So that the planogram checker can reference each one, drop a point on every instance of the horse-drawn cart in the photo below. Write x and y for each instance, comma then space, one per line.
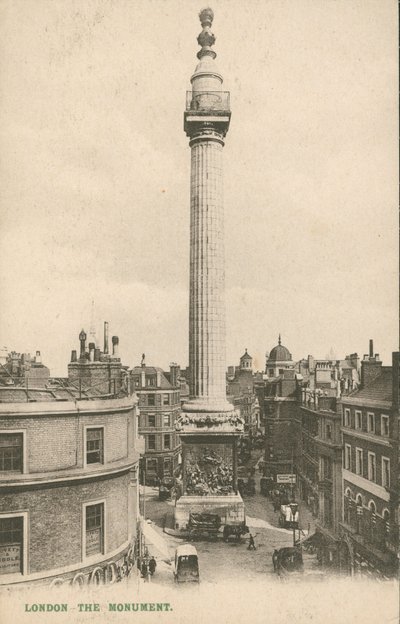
203, 526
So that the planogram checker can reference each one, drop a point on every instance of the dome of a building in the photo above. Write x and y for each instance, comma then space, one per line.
280, 353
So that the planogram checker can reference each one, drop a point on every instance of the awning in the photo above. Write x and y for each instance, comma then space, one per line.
155, 541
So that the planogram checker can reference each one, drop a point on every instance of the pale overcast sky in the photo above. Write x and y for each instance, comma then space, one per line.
95, 175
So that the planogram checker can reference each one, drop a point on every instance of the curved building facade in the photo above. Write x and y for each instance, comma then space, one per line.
68, 486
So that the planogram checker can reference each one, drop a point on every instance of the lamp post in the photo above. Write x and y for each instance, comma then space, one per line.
294, 509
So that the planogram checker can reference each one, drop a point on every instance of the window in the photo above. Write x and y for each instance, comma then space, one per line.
151, 442
347, 456
358, 419
385, 425
150, 381
152, 466
167, 420
167, 441
359, 462
11, 445
359, 500
151, 399
326, 468
94, 529
167, 467
165, 399
371, 422
151, 419
385, 472
11, 545
329, 432
270, 372
94, 446
346, 420
372, 507
371, 467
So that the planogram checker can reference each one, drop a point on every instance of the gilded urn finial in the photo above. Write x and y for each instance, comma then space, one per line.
206, 38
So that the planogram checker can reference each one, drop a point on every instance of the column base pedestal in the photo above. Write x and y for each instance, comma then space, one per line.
229, 507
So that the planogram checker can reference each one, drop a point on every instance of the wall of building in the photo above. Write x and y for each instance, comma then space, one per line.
56, 519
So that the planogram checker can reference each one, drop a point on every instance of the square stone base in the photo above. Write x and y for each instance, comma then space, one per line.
230, 508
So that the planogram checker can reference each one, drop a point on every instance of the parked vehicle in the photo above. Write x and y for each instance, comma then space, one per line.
203, 526
288, 561
165, 488
186, 564
289, 516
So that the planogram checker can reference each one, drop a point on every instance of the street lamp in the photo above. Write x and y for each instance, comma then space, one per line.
294, 509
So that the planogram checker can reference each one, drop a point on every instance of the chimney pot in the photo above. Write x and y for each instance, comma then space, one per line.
73, 355
115, 344
105, 338
82, 338
371, 348
91, 351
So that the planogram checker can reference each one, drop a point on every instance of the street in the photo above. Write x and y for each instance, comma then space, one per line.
226, 561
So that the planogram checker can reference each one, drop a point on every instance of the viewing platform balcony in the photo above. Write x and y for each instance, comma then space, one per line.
208, 101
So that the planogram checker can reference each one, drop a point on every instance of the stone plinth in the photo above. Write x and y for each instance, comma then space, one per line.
229, 508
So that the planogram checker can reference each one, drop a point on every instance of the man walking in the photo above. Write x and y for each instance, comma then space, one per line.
251, 545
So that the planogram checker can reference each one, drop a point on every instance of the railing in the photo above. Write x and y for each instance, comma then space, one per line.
204, 101
369, 526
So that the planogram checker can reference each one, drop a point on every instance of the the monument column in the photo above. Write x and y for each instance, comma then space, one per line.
206, 123
209, 425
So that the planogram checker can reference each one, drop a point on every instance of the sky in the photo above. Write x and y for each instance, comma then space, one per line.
95, 173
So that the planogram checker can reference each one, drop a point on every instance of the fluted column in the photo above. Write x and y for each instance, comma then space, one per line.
207, 274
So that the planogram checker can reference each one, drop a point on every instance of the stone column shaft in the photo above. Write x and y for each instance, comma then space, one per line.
207, 274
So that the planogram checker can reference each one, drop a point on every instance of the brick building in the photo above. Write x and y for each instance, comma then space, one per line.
328, 373
240, 392
319, 471
159, 405
68, 484
278, 395
21, 369
371, 469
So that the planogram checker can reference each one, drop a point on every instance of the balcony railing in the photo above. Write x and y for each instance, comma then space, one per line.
205, 101
371, 528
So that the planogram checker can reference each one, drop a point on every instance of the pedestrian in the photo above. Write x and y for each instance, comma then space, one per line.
144, 569
251, 545
152, 566
275, 559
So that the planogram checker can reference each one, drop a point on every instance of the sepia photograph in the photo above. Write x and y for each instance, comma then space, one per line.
199, 329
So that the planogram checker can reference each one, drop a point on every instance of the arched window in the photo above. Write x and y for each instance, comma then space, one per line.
386, 515
348, 492
359, 500
372, 507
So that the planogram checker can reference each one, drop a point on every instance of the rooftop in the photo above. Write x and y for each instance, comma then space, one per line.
380, 389
151, 371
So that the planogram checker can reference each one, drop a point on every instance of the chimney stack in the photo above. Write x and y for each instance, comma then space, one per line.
175, 372
105, 338
371, 366
158, 379
115, 346
73, 355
